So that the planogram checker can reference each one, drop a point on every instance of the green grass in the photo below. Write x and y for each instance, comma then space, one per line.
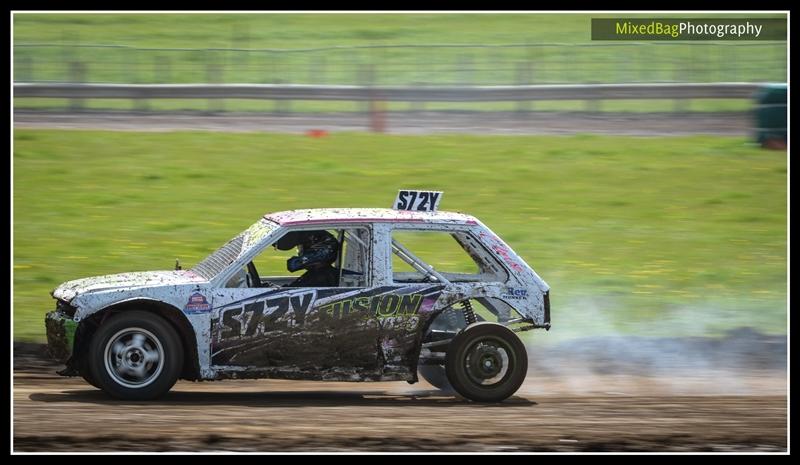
275, 30
256, 106
594, 62
665, 235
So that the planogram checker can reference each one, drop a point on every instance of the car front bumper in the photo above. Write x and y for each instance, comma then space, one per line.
60, 335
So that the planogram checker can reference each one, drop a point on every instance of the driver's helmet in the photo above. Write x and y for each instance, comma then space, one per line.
315, 247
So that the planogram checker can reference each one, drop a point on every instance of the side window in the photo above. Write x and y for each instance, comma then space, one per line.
310, 258
456, 255
270, 265
271, 262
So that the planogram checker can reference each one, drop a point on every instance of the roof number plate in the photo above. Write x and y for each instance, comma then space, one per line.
419, 201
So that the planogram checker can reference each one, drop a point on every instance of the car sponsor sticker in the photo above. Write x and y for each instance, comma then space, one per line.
197, 304
512, 293
420, 201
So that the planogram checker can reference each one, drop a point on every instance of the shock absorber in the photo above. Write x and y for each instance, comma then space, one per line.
469, 314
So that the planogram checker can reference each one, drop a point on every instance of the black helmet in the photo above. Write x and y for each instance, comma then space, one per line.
316, 248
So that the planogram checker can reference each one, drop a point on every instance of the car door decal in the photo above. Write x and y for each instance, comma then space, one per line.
267, 328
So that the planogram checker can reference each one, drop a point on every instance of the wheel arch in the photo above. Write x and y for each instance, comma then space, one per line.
448, 304
174, 317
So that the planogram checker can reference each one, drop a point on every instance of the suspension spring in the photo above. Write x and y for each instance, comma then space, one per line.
469, 314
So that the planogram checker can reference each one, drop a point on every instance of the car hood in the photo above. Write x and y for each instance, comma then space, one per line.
68, 290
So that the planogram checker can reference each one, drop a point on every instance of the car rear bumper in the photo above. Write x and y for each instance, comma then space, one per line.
60, 335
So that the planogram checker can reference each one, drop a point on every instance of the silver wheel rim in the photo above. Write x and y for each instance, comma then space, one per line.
488, 362
134, 357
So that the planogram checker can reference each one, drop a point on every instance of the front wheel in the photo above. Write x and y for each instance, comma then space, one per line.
88, 378
135, 355
486, 362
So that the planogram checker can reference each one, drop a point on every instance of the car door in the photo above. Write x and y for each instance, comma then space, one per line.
394, 313
303, 332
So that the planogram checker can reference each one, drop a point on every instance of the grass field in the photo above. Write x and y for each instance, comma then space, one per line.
663, 235
548, 59
276, 30
261, 106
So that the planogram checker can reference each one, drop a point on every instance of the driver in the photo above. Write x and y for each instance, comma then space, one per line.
318, 250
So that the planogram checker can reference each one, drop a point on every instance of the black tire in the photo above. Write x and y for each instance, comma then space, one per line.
83, 369
135, 355
486, 362
88, 378
436, 375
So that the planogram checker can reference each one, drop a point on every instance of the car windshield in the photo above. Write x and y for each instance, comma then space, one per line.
215, 263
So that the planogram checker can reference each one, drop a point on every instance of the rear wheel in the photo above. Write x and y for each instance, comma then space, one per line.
135, 355
451, 321
486, 362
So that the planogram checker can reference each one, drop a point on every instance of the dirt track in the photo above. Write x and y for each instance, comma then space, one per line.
581, 412
411, 122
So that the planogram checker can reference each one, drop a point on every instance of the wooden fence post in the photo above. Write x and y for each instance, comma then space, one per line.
214, 76
77, 74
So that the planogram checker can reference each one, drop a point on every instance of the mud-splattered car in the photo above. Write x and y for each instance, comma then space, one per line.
386, 312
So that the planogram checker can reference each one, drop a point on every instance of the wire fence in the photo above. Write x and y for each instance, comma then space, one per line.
407, 65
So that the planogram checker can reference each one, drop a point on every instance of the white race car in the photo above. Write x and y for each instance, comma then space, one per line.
368, 308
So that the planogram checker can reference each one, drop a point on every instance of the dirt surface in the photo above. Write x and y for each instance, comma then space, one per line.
617, 407
410, 122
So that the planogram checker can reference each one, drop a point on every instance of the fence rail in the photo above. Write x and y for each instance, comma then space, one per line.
673, 91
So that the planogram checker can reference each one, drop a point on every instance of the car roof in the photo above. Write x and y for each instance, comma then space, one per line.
365, 215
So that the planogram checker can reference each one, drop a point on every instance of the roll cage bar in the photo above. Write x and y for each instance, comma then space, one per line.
417, 263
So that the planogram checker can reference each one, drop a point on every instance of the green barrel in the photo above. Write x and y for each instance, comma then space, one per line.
771, 114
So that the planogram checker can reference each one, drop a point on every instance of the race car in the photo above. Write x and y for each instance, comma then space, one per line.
367, 308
